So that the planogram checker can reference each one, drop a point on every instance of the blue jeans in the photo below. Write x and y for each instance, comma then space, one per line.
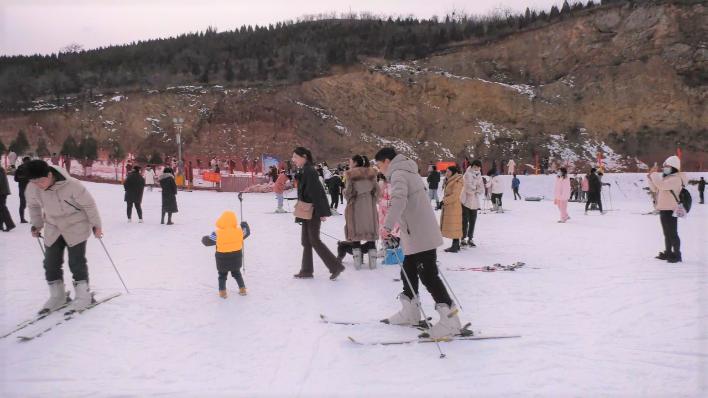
279, 197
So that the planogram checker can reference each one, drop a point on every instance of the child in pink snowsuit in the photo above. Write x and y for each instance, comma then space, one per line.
562, 194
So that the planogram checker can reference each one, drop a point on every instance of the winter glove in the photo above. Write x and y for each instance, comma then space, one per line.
206, 241
244, 225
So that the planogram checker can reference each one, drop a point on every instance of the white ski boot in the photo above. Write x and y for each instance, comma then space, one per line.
82, 297
358, 258
280, 210
409, 313
372, 258
449, 323
58, 296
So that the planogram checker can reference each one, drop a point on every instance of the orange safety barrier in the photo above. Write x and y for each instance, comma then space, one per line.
211, 176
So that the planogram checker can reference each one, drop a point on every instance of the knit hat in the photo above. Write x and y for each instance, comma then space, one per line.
37, 169
674, 162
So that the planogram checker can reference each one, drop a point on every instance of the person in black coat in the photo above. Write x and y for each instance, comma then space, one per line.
6, 223
433, 183
594, 191
22, 181
310, 190
169, 195
334, 186
134, 185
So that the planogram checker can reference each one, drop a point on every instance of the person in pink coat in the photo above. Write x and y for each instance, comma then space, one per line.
562, 194
585, 187
383, 205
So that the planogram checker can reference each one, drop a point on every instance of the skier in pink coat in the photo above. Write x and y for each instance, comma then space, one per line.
562, 194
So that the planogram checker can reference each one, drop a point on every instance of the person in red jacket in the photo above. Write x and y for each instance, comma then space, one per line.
279, 189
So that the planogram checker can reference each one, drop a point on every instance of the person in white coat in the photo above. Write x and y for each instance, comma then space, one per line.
667, 185
511, 167
150, 177
473, 187
562, 194
496, 189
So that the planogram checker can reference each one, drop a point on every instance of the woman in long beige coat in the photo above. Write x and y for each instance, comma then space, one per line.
361, 216
451, 218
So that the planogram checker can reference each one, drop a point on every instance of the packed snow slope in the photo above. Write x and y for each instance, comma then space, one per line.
598, 314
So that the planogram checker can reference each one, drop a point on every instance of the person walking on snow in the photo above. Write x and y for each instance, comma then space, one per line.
433, 184
473, 187
334, 186
510, 168
515, 182
228, 239
496, 189
361, 217
562, 194
169, 195
311, 210
22, 181
62, 207
150, 177
594, 191
279, 190
134, 186
6, 223
584, 188
701, 189
667, 185
420, 237
451, 217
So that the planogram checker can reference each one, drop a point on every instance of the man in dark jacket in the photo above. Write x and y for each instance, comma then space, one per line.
433, 183
22, 181
594, 191
334, 186
701, 189
6, 223
134, 186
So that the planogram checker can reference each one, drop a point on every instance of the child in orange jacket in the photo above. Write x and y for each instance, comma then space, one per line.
228, 238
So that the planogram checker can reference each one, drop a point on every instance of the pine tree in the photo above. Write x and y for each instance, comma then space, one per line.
229, 74
42, 150
554, 12
20, 144
565, 10
69, 148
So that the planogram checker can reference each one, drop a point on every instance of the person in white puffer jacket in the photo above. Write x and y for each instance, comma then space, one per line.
473, 187
667, 185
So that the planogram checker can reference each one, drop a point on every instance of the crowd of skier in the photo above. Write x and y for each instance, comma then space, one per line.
386, 201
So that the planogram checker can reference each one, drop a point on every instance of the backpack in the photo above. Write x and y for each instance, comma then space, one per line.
684, 202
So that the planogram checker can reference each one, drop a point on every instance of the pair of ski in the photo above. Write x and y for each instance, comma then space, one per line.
66, 317
465, 334
492, 268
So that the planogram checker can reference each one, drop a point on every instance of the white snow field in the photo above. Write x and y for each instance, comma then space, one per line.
599, 316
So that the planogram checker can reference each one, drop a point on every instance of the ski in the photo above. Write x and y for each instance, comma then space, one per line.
34, 320
326, 319
429, 340
492, 268
68, 317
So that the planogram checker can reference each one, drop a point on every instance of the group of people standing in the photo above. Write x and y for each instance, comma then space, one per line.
134, 186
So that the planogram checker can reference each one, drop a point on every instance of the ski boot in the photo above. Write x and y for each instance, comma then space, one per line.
57, 297
358, 258
372, 258
82, 297
449, 323
408, 315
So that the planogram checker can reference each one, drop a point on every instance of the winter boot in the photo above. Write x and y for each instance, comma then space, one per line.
674, 258
449, 323
57, 297
280, 210
223, 294
242, 291
82, 297
372, 258
455, 246
358, 258
662, 256
409, 313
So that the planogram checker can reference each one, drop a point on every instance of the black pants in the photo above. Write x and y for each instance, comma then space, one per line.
516, 193
497, 198
54, 258
23, 201
700, 193
169, 217
310, 239
669, 224
335, 200
424, 266
469, 219
137, 209
594, 198
5, 218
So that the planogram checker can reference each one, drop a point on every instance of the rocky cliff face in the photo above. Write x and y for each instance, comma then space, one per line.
626, 82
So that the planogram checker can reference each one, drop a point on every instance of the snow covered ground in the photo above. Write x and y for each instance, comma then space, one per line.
598, 314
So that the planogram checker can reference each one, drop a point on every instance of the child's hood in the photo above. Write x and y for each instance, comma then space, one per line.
227, 220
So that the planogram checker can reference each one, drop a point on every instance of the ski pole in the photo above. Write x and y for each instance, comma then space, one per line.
620, 189
114, 265
418, 303
41, 246
243, 248
328, 235
450, 289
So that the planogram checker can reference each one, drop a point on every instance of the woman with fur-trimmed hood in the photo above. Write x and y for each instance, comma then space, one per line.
362, 222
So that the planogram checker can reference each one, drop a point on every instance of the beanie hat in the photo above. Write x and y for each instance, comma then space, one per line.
37, 169
674, 162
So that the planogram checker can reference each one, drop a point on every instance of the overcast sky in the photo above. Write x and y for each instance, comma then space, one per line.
46, 26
